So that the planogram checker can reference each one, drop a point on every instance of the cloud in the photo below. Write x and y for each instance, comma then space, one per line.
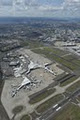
40, 7
71, 7
6, 2
31, 2
50, 8
71, 3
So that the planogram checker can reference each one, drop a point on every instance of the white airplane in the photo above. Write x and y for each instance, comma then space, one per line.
55, 106
58, 108
25, 82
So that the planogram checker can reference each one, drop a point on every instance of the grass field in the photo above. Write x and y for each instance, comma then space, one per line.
68, 81
70, 57
31, 44
74, 87
76, 61
50, 50
25, 117
73, 58
71, 112
78, 97
49, 103
17, 109
55, 55
34, 115
42, 96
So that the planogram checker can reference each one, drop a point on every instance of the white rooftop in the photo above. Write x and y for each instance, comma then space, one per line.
33, 65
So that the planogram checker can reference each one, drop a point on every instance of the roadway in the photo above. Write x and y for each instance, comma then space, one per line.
54, 109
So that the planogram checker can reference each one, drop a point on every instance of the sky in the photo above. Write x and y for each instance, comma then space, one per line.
40, 8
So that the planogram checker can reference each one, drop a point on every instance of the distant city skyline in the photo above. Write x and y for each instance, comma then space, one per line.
40, 8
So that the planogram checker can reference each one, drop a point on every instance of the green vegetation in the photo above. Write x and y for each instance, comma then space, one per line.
31, 44
49, 103
50, 50
70, 112
24, 43
74, 87
25, 117
78, 97
68, 81
1, 85
55, 51
17, 109
42, 96
76, 61
55, 54
34, 115
72, 59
